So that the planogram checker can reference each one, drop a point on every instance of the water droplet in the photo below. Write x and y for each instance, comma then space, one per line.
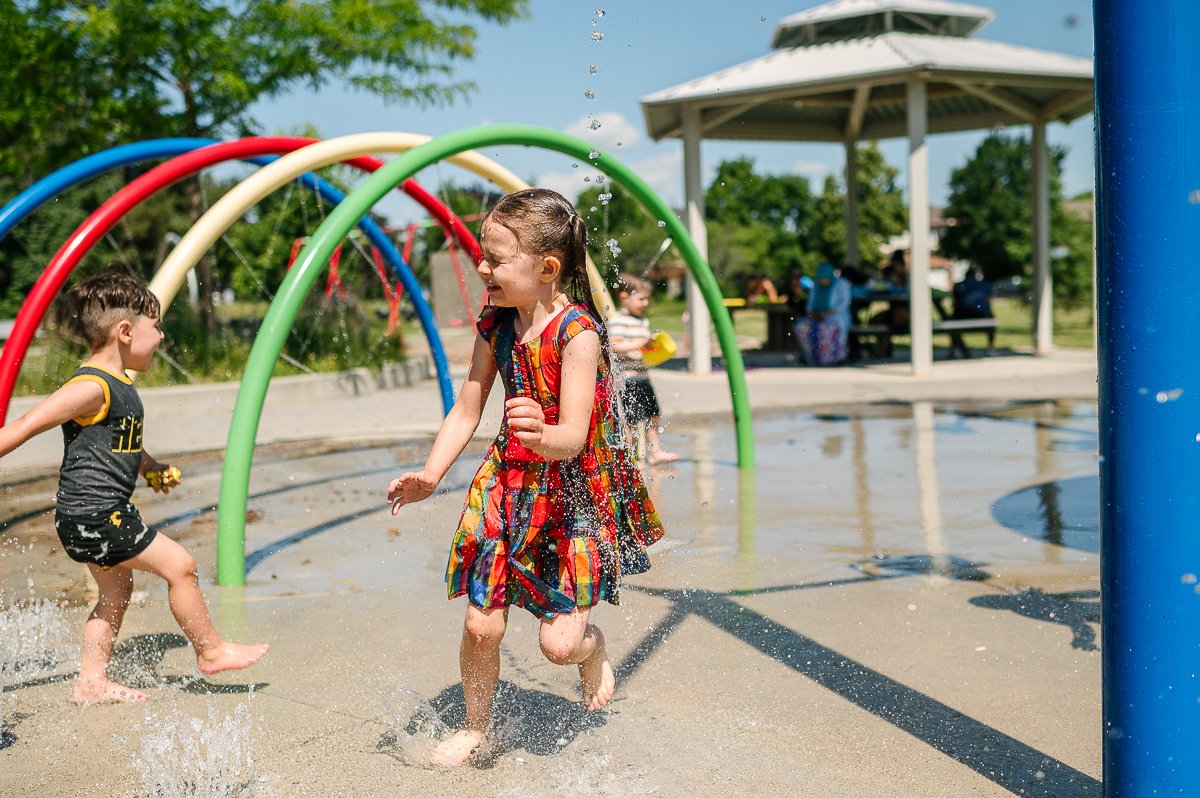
762, 19
1168, 396
593, 69
594, 154
662, 223
574, 166
595, 124
591, 95
599, 12
1188, 579
912, 607
604, 198
587, 179
597, 36
1194, 197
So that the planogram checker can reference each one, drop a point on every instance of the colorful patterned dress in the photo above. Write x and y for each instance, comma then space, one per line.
550, 536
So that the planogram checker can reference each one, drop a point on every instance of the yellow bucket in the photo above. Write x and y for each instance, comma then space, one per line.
659, 349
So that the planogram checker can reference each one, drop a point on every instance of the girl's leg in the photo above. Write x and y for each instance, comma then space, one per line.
568, 639
167, 559
100, 634
479, 661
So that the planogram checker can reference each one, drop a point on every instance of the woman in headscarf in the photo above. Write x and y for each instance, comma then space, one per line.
824, 329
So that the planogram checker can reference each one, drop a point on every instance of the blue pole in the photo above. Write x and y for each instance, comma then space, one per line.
1148, 181
57, 182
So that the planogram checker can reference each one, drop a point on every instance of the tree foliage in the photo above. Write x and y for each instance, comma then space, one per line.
76, 77
881, 210
622, 237
758, 224
990, 203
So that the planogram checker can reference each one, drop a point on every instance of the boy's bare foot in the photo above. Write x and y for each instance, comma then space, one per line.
102, 691
660, 457
596, 674
456, 749
230, 657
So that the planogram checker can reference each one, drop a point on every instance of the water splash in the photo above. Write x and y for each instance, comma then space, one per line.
35, 637
179, 755
613, 247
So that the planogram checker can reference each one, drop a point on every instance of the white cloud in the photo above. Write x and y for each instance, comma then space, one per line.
570, 183
811, 168
614, 131
664, 173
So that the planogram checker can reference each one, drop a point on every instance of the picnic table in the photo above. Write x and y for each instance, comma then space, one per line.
863, 302
780, 319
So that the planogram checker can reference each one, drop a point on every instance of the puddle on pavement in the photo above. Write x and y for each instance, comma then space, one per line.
832, 488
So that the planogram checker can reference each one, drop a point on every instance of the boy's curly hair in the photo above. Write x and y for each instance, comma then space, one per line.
92, 306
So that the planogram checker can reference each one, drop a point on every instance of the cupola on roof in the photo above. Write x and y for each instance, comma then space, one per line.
849, 19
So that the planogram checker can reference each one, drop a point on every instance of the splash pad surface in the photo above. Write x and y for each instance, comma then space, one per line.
870, 620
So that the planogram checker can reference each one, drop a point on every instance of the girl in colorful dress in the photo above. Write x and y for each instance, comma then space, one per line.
557, 513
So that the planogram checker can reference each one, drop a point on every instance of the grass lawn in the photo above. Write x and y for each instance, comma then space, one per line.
1072, 327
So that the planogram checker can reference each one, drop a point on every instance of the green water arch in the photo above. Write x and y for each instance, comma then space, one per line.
272, 334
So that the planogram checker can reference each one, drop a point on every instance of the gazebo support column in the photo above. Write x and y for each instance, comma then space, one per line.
852, 256
700, 359
918, 223
1043, 288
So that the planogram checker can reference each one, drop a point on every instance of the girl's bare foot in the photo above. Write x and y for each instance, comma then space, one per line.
596, 674
660, 457
456, 749
102, 691
230, 657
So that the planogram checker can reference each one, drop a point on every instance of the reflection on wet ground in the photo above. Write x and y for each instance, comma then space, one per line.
882, 564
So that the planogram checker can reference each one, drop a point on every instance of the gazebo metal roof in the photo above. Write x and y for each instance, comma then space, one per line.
856, 88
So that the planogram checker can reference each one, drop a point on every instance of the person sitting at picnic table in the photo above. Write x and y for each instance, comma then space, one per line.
973, 296
760, 290
895, 276
823, 331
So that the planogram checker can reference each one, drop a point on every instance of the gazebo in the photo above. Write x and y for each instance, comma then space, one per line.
853, 70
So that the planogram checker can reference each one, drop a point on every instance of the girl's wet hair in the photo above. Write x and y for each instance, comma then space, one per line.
93, 306
545, 223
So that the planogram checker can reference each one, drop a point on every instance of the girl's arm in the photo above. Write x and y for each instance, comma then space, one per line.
453, 436
577, 393
77, 399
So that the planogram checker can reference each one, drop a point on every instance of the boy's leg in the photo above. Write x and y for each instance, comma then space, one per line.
568, 639
479, 661
656, 453
167, 559
100, 634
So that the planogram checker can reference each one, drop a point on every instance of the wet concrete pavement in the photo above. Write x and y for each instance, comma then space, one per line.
901, 601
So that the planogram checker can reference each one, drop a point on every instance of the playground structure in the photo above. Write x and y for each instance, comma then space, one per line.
303, 156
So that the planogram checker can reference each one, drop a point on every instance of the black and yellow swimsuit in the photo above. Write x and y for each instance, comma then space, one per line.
102, 457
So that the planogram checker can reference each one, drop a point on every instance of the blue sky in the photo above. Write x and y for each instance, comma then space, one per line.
538, 72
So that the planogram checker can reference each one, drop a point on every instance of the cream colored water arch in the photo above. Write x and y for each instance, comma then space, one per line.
238, 200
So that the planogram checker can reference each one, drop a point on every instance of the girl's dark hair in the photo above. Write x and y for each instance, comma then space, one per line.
93, 306
545, 223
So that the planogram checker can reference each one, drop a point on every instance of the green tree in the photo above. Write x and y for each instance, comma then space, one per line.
990, 203
757, 223
188, 68
621, 234
881, 210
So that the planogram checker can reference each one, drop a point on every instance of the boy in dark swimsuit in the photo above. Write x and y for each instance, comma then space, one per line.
101, 416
